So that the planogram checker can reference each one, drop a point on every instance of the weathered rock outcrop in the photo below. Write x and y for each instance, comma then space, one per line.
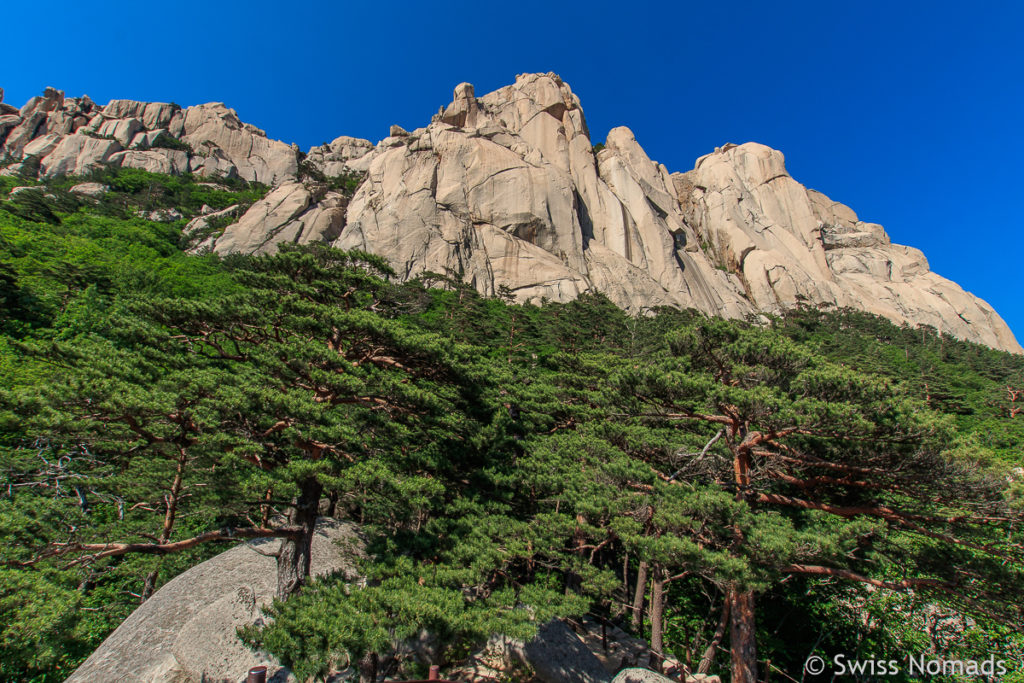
294, 212
222, 143
72, 136
186, 631
507, 190
789, 245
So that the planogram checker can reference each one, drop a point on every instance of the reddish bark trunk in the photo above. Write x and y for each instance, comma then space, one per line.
742, 638
709, 653
170, 514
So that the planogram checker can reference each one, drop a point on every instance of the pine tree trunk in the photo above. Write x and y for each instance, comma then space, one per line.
742, 637
621, 608
657, 618
170, 514
638, 596
368, 668
293, 558
709, 654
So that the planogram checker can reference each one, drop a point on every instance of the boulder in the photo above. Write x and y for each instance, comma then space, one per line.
648, 676
8, 122
167, 161
343, 155
197, 229
212, 162
295, 212
90, 189
42, 146
146, 138
640, 676
185, 632
122, 130
28, 128
161, 215
152, 115
208, 645
556, 655
78, 154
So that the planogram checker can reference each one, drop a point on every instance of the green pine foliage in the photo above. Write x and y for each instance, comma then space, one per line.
506, 463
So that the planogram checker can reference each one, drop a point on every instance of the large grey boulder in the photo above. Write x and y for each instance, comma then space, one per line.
122, 130
185, 632
636, 675
78, 154
555, 655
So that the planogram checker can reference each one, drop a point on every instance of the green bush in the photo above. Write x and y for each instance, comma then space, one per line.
166, 141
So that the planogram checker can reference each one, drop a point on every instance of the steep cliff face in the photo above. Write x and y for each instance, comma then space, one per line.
508, 190
790, 245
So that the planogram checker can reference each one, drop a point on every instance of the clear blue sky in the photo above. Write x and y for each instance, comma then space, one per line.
912, 113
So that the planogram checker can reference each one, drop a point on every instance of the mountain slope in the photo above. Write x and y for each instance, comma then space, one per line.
508, 191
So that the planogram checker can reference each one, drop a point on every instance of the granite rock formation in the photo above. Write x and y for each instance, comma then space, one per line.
72, 136
185, 632
508, 190
788, 245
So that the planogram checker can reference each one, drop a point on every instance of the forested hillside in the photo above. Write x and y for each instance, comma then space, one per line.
741, 494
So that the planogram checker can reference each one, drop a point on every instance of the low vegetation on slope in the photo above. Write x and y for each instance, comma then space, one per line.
827, 484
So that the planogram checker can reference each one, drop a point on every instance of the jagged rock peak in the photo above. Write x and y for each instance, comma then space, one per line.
789, 245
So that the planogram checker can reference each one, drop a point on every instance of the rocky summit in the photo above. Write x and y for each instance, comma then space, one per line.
509, 190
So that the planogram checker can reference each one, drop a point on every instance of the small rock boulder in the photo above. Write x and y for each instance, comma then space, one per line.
90, 189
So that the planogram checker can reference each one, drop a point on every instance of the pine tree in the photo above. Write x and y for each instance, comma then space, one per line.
297, 378
840, 473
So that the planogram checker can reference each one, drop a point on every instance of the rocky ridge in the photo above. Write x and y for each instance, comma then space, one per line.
508, 190
72, 136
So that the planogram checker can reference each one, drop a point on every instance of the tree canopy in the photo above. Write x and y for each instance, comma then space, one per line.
687, 478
